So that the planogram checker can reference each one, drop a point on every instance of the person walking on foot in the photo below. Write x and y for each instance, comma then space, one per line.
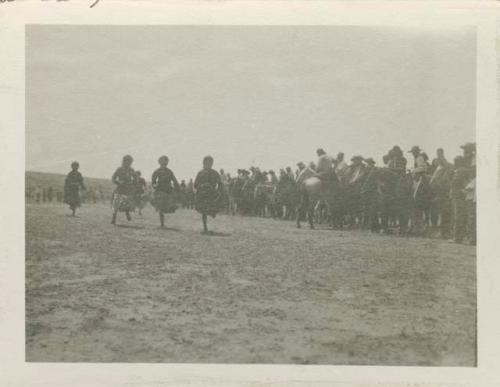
208, 186
164, 183
72, 185
123, 197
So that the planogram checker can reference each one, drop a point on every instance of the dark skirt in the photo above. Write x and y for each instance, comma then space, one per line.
208, 200
123, 203
140, 200
72, 197
164, 202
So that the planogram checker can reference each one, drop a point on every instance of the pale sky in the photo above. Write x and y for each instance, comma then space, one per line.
247, 95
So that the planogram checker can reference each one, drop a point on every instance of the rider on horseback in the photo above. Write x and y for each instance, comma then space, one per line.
324, 168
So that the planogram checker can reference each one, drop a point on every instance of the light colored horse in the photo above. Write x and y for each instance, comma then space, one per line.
314, 191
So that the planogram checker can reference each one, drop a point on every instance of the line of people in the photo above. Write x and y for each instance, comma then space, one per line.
131, 190
49, 194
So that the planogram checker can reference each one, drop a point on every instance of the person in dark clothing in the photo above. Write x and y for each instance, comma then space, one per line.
72, 186
369, 196
469, 155
459, 181
208, 186
165, 185
124, 179
396, 160
440, 160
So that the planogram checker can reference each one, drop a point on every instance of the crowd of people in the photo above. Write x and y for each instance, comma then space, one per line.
54, 194
416, 196
420, 196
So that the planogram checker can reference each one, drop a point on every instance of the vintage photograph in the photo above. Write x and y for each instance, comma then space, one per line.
285, 194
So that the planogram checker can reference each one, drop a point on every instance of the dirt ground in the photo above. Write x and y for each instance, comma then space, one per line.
258, 291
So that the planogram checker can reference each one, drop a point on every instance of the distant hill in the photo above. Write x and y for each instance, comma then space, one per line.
56, 181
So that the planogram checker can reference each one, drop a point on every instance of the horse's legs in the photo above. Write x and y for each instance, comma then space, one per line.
403, 220
445, 219
204, 219
310, 218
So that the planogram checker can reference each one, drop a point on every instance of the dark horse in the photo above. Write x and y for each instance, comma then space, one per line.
395, 199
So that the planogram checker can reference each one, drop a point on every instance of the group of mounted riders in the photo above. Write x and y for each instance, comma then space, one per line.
417, 197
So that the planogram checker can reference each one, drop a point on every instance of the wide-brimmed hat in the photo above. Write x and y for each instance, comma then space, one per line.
469, 146
357, 158
370, 161
415, 149
300, 164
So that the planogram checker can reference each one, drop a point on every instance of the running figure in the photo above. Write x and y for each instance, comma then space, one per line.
164, 184
209, 191
72, 185
123, 197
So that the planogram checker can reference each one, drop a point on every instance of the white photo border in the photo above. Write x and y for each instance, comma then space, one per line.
15, 15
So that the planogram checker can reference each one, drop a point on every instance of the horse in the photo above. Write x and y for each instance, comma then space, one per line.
422, 196
395, 190
314, 190
352, 201
441, 208
371, 199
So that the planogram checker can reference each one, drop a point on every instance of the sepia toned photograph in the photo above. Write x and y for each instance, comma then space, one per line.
234, 194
